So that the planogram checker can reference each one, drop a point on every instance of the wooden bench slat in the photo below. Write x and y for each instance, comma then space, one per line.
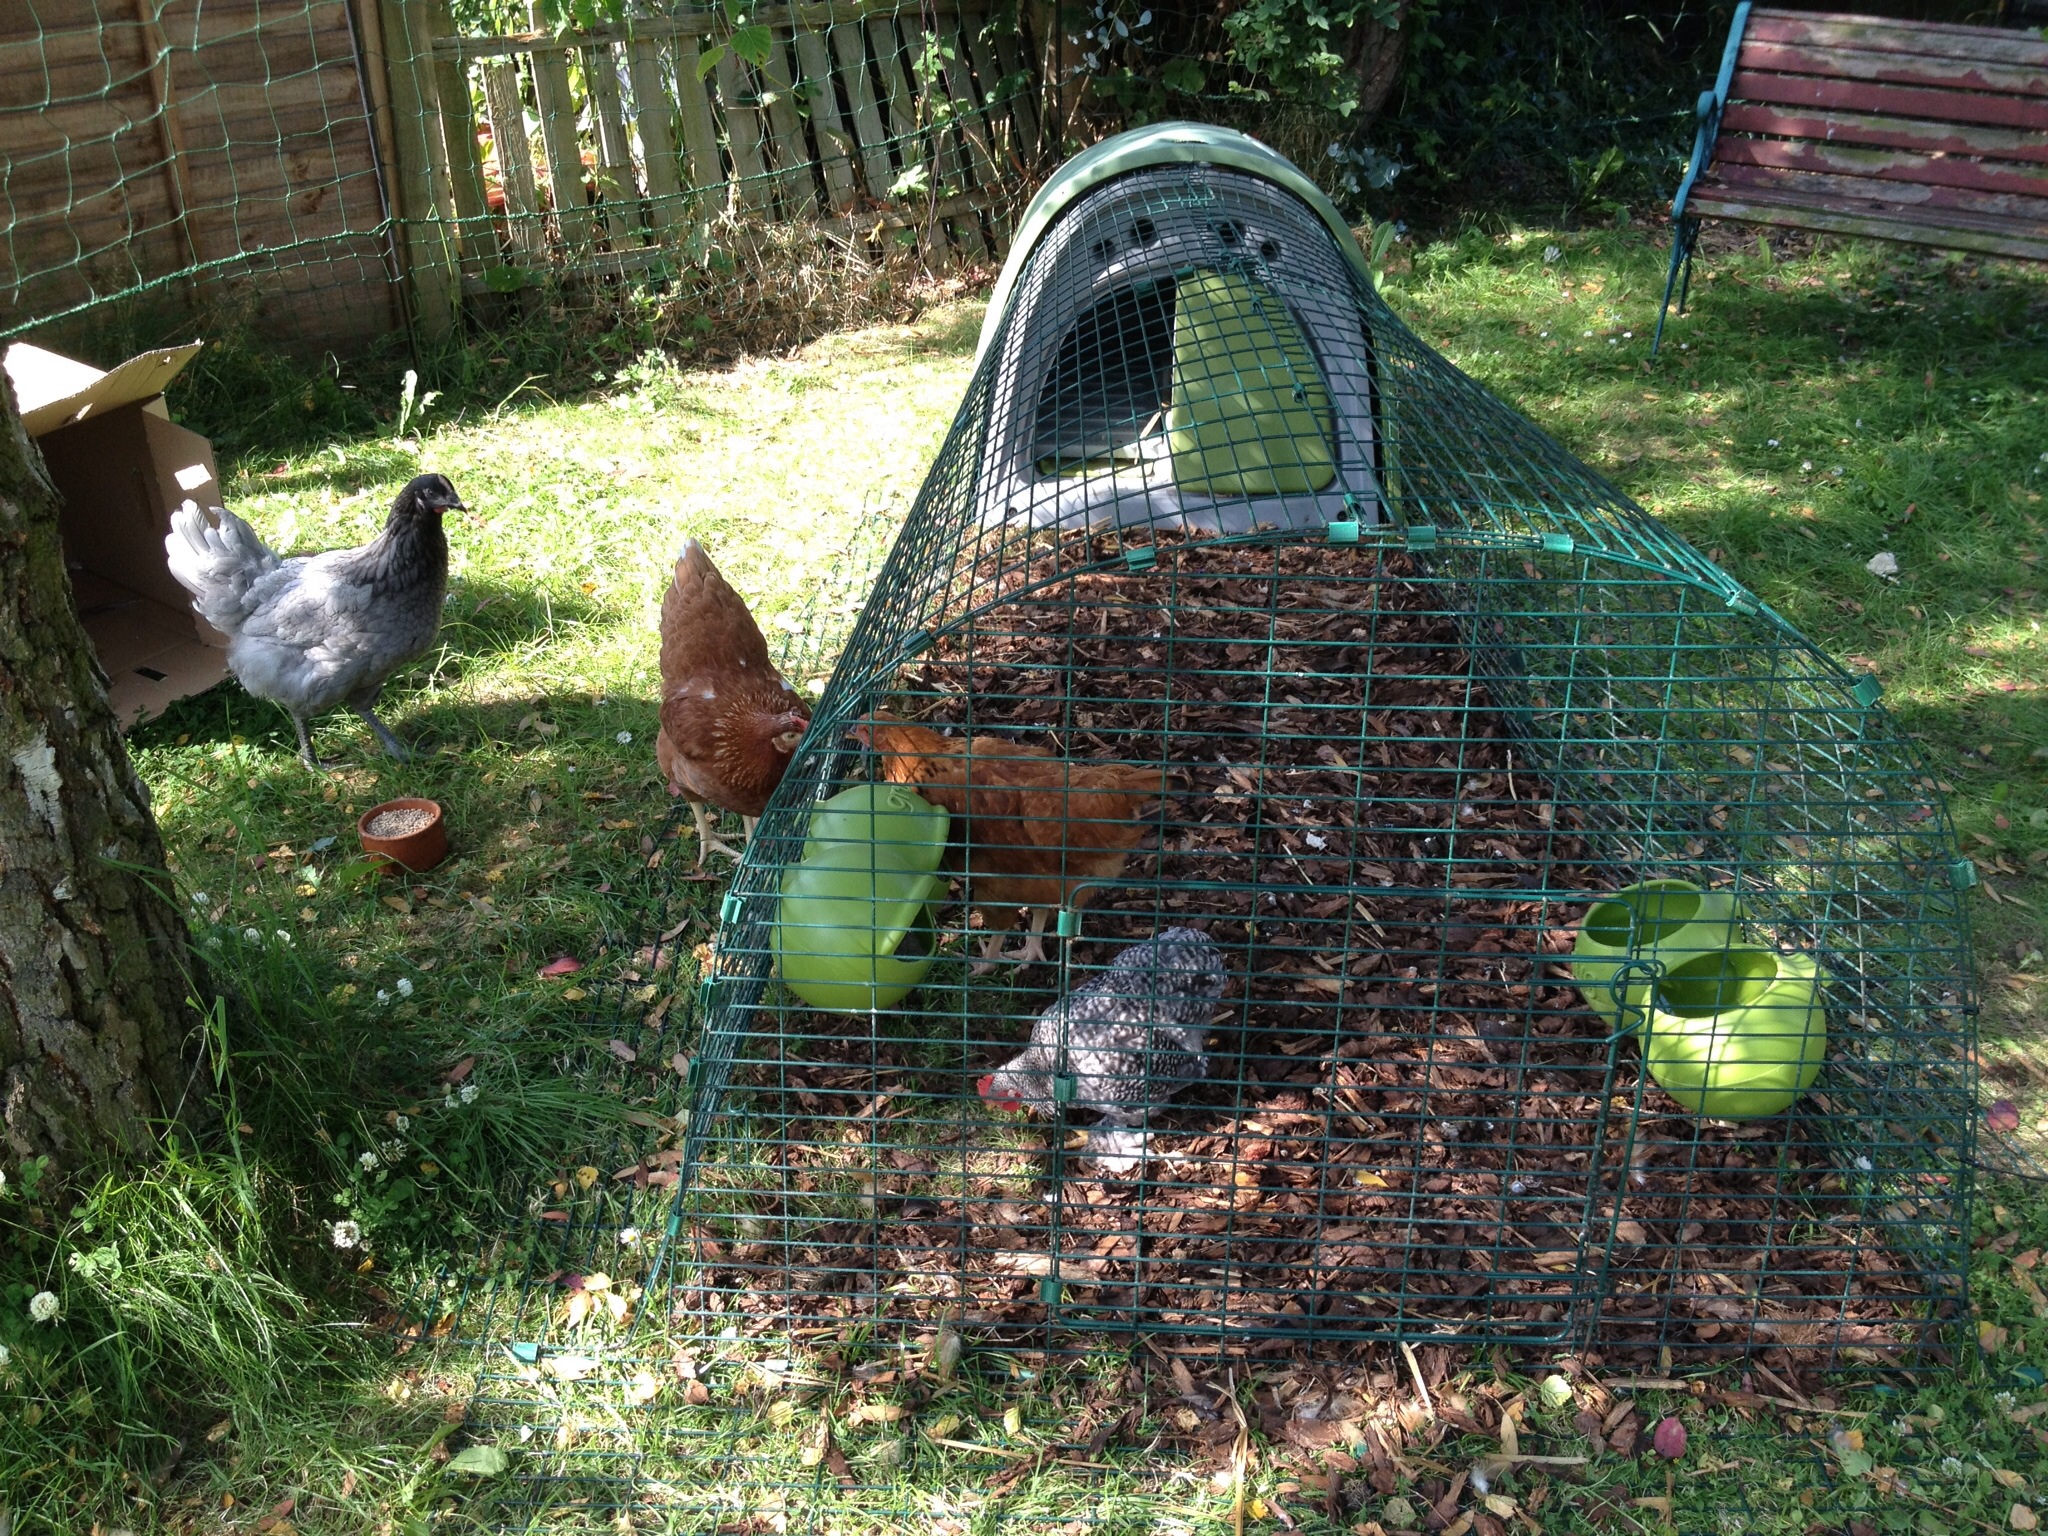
1952, 40
1887, 132
1888, 164
1885, 163
1897, 68
1902, 197
1802, 214
1901, 100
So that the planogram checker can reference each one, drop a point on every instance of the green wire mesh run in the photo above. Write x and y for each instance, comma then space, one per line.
1395, 699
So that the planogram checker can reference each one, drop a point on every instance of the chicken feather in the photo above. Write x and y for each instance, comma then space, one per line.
309, 632
1038, 828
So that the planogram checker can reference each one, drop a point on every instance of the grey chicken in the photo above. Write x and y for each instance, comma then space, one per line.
1133, 1038
314, 631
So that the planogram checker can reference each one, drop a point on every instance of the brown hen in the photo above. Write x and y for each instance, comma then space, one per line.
1036, 827
728, 721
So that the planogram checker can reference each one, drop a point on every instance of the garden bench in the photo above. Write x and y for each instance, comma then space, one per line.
1920, 132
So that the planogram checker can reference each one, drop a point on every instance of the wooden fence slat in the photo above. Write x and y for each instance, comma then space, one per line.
974, 126
902, 103
618, 189
995, 117
657, 136
798, 187
743, 134
476, 237
575, 221
698, 23
821, 96
952, 160
430, 266
515, 154
849, 44
156, 53
700, 129
1022, 102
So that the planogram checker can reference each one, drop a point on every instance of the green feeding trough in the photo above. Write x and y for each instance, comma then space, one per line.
854, 929
1625, 936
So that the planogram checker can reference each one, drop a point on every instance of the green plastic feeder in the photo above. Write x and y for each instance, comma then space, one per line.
1738, 1034
850, 936
905, 830
1668, 921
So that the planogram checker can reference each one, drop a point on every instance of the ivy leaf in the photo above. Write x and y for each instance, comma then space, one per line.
1185, 76
751, 43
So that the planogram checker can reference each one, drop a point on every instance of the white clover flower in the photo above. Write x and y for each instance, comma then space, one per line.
3, 1178
1551, 254
468, 1094
392, 1151
1866, 1165
252, 935
1806, 466
1770, 442
6, 1355
1627, 335
368, 1160
283, 937
628, 1236
403, 1122
383, 997
2003, 1399
448, 1099
1951, 1466
404, 985
624, 738
43, 1308
347, 1234
200, 898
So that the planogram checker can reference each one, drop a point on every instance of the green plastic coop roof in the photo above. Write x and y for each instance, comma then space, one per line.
1161, 144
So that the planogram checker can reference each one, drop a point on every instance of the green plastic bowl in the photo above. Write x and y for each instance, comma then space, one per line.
905, 830
1738, 1034
1669, 921
851, 937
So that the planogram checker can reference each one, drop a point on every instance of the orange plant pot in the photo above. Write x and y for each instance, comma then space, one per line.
417, 851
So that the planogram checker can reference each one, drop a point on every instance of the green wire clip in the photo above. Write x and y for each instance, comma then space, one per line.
1068, 923
1141, 559
729, 908
1049, 1291
1422, 535
1559, 543
1344, 530
705, 988
1962, 874
1867, 691
1742, 602
1063, 1086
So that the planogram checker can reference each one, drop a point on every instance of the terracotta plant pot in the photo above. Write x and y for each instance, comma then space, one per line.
419, 850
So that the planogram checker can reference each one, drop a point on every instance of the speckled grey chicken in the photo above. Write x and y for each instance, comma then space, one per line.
1133, 1038
314, 631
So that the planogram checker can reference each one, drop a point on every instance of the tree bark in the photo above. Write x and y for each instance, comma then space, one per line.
1374, 53
95, 960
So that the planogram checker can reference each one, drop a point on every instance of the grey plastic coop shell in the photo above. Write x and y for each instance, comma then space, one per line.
1190, 361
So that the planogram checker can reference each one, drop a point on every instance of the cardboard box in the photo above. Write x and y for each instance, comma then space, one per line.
122, 467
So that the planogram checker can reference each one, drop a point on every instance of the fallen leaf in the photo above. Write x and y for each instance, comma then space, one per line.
562, 966
2021, 1518
573, 994
1669, 1439
1630, 1232
459, 1071
642, 1388
623, 1051
585, 1177
1884, 563
568, 1367
2005, 1479
396, 903
2003, 1117
479, 1461
348, 1483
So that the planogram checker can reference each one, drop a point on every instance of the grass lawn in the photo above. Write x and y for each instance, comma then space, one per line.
390, 1057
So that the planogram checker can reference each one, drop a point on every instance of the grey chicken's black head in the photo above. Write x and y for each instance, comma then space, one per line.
427, 494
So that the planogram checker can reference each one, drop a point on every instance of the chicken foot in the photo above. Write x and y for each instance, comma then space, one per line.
306, 749
1031, 952
392, 745
708, 841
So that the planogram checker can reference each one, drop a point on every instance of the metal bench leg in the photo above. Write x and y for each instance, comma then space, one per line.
1681, 257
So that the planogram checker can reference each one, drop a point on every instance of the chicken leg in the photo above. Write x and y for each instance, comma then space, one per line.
392, 745
1032, 952
707, 839
306, 749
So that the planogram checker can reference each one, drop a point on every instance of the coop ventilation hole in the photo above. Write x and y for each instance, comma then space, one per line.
151, 673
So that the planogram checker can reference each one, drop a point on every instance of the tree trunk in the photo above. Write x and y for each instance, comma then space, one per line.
1374, 52
95, 961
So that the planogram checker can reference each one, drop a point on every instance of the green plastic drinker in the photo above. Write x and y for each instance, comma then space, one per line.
1668, 921
851, 936
1738, 1034
905, 830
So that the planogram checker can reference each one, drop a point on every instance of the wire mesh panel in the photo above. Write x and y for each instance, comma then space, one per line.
1221, 964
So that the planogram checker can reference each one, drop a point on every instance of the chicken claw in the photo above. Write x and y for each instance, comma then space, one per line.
707, 839
397, 749
306, 750
1031, 952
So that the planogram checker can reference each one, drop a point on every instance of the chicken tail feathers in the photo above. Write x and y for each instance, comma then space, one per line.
220, 565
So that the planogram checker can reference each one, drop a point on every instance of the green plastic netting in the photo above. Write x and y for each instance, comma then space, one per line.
1400, 689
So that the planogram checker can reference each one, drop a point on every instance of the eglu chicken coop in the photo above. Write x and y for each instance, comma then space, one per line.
1465, 911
